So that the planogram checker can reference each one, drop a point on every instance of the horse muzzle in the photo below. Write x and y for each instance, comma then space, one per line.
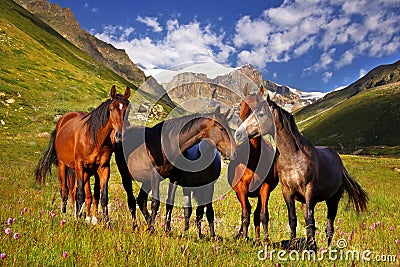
118, 137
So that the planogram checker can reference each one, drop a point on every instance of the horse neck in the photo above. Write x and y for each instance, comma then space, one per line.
103, 135
194, 135
255, 144
287, 141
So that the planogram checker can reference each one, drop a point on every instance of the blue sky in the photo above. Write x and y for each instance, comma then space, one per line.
314, 45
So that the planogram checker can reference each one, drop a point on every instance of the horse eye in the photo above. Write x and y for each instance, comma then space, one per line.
111, 109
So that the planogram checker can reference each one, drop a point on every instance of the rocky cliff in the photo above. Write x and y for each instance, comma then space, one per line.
64, 22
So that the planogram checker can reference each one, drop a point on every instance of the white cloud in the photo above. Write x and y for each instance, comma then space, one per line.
181, 44
251, 32
362, 73
150, 22
326, 76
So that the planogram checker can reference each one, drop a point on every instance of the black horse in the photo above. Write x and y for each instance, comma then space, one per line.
149, 155
200, 182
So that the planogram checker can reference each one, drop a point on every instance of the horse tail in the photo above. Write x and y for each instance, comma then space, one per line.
49, 158
357, 196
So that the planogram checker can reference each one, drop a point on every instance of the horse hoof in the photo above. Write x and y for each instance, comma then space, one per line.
94, 220
88, 219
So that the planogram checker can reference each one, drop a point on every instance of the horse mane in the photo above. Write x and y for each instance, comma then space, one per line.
183, 124
290, 124
98, 117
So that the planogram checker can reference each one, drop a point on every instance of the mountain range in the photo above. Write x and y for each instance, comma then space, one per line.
44, 75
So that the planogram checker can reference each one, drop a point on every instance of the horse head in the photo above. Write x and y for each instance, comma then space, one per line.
220, 133
260, 122
117, 109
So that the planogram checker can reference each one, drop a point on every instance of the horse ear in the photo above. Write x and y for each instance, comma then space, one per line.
226, 113
218, 110
246, 90
261, 91
113, 92
269, 101
127, 93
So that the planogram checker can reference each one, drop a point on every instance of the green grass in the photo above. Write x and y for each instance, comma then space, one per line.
43, 239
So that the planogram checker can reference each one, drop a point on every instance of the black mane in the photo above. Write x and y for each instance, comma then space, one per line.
98, 118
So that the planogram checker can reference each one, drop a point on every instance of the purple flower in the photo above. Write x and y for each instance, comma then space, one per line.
3, 255
339, 221
63, 222
373, 226
10, 221
65, 254
52, 214
391, 228
397, 241
8, 231
16, 236
24, 210
42, 212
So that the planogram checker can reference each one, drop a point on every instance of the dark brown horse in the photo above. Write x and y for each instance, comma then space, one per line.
83, 142
307, 173
149, 155
253, 173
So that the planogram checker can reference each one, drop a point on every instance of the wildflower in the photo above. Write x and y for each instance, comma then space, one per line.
378, 223
52, 214
63, 222
42, 212
65, 254
10, 221
16, 236
8, 231
339, 221
373, 226
24, 210
183, 248
391, 228
3, 255
397, 241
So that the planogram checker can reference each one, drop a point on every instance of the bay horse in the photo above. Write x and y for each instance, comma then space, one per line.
253, 172
199, 182
307, 173
83, 142
150, 154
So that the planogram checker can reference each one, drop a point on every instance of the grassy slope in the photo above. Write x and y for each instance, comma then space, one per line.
380, 75
46, 76
370, 118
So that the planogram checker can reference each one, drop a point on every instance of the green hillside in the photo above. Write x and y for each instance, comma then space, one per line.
370, 118
381, 75
43, 75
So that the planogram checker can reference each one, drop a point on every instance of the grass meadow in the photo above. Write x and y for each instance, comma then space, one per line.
34, 233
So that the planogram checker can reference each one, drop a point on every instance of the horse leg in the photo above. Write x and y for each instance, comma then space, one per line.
187, 207
199, 217
155, 200
170, 205
257, 220
264, 214
96, 197
310, 225
81, 179
332, 205
88, 200
209, 208
104, 174
289, 200
142, 200
127, 183
210, 218
62, 177
246, 209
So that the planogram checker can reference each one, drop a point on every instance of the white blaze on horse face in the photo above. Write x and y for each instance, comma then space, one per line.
121, 106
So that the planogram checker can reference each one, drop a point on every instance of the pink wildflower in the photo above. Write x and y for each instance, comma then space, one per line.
8, 231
